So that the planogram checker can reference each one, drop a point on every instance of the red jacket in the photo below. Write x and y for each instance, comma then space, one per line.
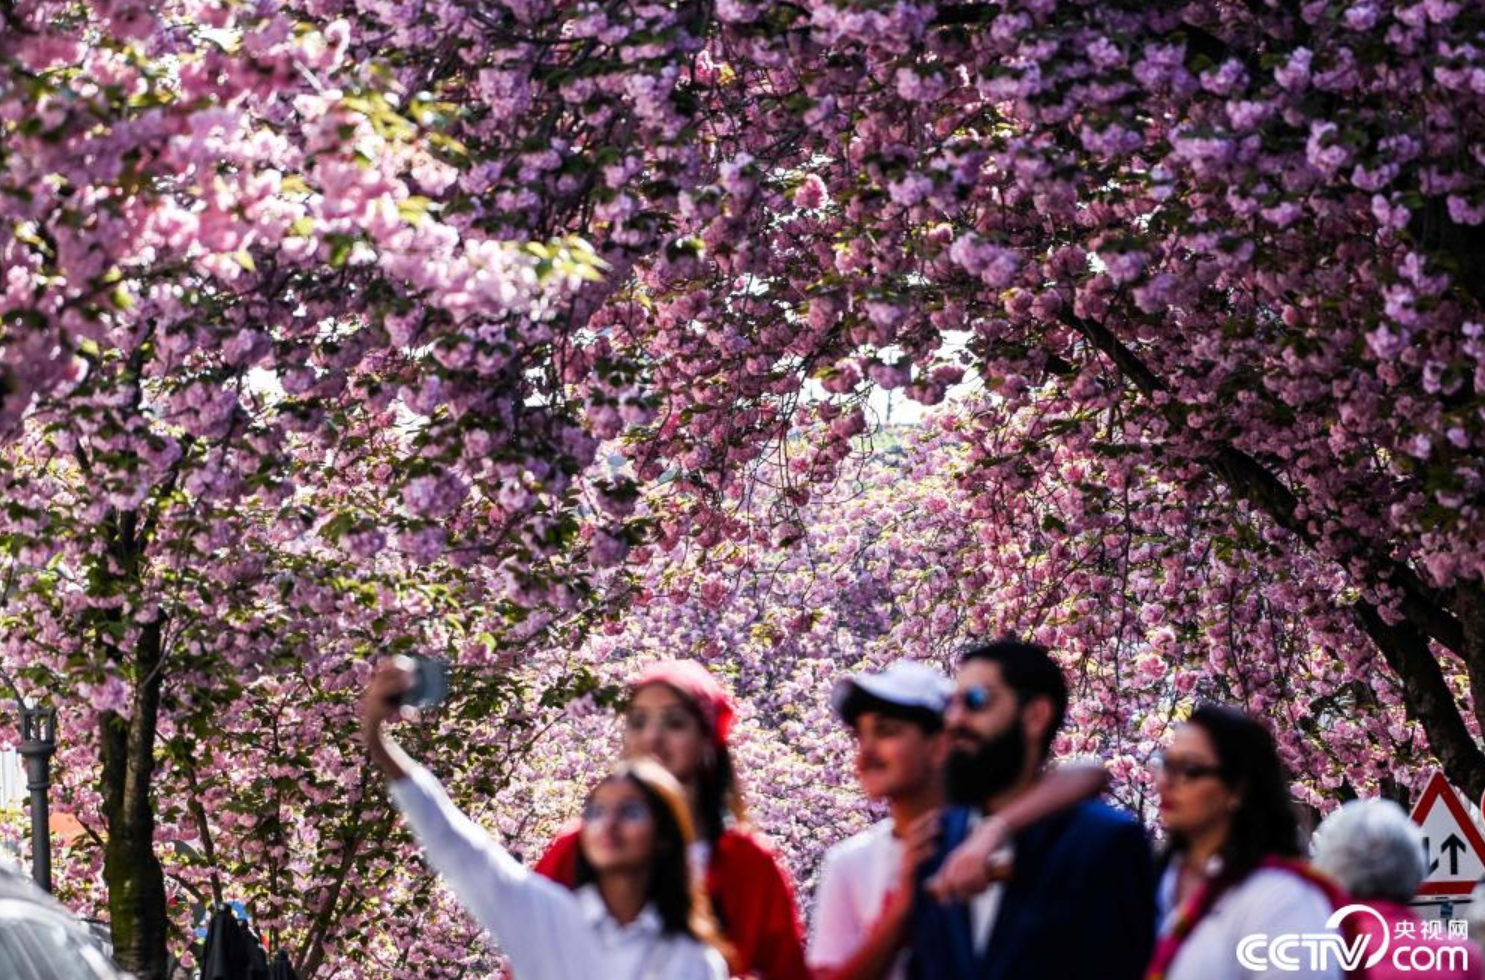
751, 895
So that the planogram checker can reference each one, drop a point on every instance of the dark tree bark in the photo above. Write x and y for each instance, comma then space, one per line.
136, 882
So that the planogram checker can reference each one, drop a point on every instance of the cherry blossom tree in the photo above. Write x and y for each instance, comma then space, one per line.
269, 306
1236, 242
238, 337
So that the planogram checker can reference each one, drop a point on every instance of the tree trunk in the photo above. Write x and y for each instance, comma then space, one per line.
136, 882
1469, 606
1428, 699
1456, 622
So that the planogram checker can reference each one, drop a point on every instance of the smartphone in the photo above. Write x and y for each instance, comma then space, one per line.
430, 681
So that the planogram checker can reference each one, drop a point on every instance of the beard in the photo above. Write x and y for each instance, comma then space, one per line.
974, 775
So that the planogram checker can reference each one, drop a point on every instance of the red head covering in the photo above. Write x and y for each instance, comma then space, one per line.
696, 684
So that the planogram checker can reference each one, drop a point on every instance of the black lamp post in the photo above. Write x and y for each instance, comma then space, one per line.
38, 744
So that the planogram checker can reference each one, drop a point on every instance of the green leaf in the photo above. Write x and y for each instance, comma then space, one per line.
414, 209
340, 249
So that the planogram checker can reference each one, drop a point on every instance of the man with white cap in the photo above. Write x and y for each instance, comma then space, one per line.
864, 900
863, 905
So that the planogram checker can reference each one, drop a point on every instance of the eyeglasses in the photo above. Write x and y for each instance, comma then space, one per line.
670, 721
630, 812
1182, 771
974, 698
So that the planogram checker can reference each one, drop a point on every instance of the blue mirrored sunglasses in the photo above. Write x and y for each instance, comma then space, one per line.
977, 697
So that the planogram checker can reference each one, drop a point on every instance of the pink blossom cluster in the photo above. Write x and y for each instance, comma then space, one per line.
334, 325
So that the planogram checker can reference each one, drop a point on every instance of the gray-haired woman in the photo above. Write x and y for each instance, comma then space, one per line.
1375, 853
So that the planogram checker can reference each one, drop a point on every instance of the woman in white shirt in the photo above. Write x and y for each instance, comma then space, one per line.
636, 912
1234, 868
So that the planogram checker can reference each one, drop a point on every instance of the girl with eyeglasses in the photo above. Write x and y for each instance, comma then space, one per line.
635, 912
1233, 867
679, 715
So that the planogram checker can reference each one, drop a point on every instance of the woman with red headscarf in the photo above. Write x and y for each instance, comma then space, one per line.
680, 716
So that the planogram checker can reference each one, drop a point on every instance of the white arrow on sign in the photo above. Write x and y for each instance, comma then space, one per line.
1452, 843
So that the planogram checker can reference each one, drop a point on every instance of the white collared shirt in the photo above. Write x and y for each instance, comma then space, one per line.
548, 931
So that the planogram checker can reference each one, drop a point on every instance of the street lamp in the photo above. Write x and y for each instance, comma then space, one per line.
38, 744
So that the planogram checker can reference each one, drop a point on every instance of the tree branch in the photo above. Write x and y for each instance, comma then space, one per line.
1405, 645
1251, 480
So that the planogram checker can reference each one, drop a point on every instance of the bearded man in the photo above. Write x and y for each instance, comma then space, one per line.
1075, 898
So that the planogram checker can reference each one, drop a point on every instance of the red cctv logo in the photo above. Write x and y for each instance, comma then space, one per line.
1312, 951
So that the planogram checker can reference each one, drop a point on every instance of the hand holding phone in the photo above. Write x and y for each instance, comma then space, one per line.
430, 681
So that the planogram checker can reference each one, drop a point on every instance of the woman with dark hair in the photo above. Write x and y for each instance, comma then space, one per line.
636, 912
681, 717
1233, 866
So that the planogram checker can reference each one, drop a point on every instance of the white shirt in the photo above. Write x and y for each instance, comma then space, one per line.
547, 931
985, 906
856, 877
1269, 901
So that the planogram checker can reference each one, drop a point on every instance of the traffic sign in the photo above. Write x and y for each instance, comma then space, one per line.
1452, 844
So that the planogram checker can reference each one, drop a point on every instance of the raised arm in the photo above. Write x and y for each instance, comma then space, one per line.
537, 923
1066, 785
378, 706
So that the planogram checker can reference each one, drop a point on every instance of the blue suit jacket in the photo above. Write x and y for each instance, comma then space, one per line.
1080, 905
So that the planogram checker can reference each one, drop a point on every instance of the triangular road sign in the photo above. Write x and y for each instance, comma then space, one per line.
1452, 844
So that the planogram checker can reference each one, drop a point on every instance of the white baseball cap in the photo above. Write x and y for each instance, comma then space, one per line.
905, 683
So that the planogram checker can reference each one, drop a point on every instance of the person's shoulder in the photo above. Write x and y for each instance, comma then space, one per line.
713, 964
1096, 818
565, 842
745, 857
956, 821
869, 839
558, 860
1268, 885
1091, 832
1277, 899
863, 846
744, 847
